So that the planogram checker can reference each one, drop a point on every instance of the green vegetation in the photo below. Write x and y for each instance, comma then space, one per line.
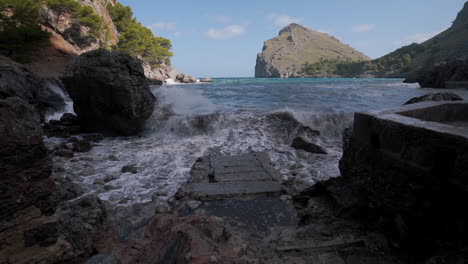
137, 39
336, 67
19, 28
85, 15
399, 61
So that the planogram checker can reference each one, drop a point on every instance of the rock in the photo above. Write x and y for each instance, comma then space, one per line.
285, 55
159, 75
129, 168
18, 82
78, 221
63, 152
113, 158
93, 137
82, 146
407, 175
69, 119
206, 80
22, 152
435, 97
300, 143
193, 204
183, 78
444, 75
109, 92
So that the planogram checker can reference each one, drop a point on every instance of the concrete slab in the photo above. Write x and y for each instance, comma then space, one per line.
234, 188
259, 175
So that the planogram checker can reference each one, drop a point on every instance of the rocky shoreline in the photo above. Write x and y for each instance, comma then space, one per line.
53, 220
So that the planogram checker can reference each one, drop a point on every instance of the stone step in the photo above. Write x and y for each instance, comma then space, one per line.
242, 176
234, 188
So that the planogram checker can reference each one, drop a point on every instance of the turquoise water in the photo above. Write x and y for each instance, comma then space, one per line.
308, 94
232, 116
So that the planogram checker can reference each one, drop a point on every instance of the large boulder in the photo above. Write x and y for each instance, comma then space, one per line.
22, 152
406, 177
37, 224
16, 81
444, 75
109, 92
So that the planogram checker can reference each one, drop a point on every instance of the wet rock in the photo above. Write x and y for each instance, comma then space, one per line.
18, 82
193, 204
109, 92
82, 146
78, 222
63, 152
300, 143
434, 97
94, 137
65, 127
69, 119
44, 235
22, 152
129, 168
442, 75
113, 158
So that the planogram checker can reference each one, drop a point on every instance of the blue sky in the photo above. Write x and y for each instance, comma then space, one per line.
216, 38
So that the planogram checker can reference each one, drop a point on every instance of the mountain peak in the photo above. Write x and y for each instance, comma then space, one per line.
462, 17
291, 27
284, 56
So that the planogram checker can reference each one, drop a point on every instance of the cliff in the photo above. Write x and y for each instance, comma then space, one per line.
285, 55
449, 45
80, 26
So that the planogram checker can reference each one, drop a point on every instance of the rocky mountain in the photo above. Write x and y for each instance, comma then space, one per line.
449, 45
285, 55
77, 27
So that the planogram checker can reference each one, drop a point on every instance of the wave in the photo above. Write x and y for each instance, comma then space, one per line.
68, 108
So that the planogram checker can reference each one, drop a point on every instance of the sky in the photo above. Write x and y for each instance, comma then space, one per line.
216, 38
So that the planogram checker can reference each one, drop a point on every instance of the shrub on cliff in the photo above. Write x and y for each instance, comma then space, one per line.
137, 39
83, 14
19, 28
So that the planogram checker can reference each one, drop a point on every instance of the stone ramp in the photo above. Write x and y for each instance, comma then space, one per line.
219, 176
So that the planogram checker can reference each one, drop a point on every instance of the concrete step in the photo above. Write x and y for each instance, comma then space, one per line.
234, 188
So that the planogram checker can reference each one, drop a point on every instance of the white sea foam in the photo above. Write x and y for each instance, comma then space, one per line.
68, 103
190, 121
170, 81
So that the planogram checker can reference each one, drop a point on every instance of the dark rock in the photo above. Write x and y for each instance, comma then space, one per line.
93, 137
69, 119
441, 75
129, 168
78, 222
109, 92
56, 128
66, 153
18, 82
300, 143
113, 158
408, 178
82, 146
44, 235
435, 97
22, 153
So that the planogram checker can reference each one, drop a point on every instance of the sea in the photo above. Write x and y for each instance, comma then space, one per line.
227, 117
